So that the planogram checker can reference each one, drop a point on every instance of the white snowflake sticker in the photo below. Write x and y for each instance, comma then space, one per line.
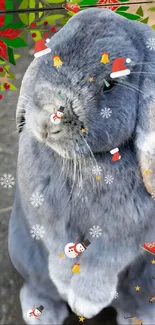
37, 232
150, 44
7, 181
36, 199
95, 231
109, 179
106, 112
114, 294
97, 170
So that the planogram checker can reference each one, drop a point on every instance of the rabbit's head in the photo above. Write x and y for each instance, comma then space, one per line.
112, 108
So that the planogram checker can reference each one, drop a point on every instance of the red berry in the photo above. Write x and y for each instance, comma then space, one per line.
6, 86
53, 29
34, 34
45, 35
1, 97
1, 69
33, 25
45, 23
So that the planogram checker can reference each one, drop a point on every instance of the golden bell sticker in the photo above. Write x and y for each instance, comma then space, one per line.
105, 58
57, 61
76, 268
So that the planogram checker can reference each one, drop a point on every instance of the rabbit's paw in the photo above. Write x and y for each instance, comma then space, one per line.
83, 307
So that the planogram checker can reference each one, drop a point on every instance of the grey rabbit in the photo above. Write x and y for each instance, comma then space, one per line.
68, 184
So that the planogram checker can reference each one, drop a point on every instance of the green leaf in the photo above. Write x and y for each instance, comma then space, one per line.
64, 21
122, 8
2, 62
12, 87
40, 6
7, 67
123, 0
32, 4
153, 26
54, 1
8, 4
129, 16
145, 20
38, 34
17, 25
24, 4
11, 56
11, 76
15, 43
24, 18
51, 19
8, 19
85, 2
140, 12
17, 56
2, 87
152, 9
32, 17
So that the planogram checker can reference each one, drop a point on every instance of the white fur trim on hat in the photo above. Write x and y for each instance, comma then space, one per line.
146, 142
114, 151
43, 52
128, 60
120, 73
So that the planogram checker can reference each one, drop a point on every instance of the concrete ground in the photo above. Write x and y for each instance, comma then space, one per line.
10, 280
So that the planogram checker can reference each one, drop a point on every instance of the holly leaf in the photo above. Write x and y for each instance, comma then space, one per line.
122, 8
15, 43
3, 50
17, 25
17, 56
11, 76
152, 9
11, 56
10, 33
140, 12
123, 0
8, 19
145, 20
8, 4
129, 16
12, 87
153, 26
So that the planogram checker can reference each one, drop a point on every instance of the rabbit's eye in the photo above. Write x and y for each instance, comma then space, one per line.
108, 85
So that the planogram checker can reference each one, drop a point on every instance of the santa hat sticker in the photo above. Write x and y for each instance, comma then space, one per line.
40, 48
119, 69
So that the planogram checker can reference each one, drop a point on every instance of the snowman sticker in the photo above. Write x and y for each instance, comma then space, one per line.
35, 312
56, 117
73, 250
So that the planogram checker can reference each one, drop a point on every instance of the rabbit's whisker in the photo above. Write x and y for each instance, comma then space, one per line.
131, 87
67, 172
74, 180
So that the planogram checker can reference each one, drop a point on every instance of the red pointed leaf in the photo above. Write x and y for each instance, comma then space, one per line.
2, 19
2, 4
3, 51
10, 33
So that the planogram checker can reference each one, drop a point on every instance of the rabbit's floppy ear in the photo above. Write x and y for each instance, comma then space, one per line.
145, 128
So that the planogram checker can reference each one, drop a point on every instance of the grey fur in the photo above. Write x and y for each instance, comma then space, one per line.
60, 168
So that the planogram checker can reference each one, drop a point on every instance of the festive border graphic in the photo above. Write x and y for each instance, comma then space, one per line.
41, 19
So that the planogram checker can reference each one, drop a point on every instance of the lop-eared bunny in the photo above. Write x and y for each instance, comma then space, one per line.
58, 192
